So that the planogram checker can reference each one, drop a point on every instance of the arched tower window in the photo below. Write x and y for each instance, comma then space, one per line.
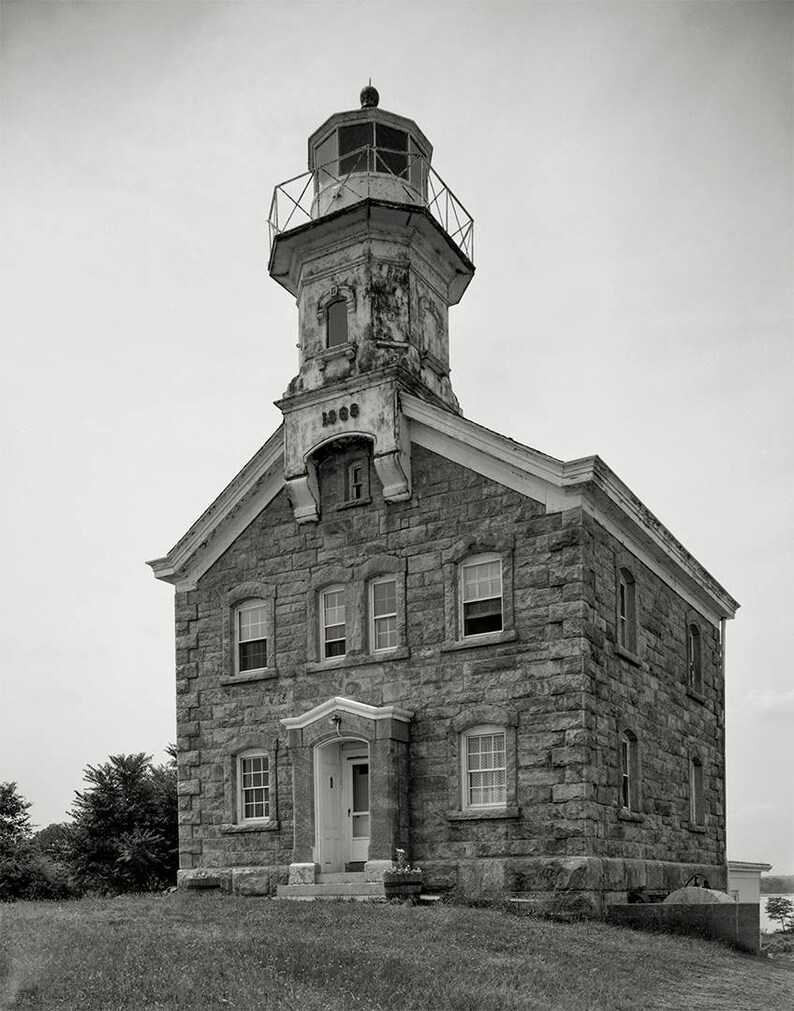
336, 322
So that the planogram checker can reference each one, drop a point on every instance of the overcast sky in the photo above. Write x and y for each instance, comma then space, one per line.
629, 168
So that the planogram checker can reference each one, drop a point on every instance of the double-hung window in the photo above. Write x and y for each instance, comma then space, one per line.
481, 595
332, 622
383, 614
484, 759
253, 787
251, 631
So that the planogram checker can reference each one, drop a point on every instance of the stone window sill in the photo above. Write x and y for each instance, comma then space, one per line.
484, 815
264, 826
696, 696
697, 829
247, 679
340, 351
359, 659
635, 816
354, 504
390, 344
486, 639
627, 654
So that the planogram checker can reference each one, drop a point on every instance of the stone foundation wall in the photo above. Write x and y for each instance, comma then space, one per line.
735, 923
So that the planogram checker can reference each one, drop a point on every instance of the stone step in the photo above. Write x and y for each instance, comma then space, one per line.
361, 890
335, 876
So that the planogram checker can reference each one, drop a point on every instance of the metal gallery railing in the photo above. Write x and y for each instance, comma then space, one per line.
313, 194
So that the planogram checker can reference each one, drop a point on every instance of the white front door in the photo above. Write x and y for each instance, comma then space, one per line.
329, 791
341, 804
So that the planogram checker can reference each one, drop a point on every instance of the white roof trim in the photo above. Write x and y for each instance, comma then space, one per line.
344, 705
586, 482
207, 539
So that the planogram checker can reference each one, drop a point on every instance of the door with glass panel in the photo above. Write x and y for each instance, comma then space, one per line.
357, 807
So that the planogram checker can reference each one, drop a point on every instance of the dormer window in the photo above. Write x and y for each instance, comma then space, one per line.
336, 320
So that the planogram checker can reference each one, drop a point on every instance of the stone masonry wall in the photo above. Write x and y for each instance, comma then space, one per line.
555, 679
649, 694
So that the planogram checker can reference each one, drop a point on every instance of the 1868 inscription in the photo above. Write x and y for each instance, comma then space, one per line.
331, 417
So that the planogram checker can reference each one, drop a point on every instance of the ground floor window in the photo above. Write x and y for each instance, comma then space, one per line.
253, 777
484, 756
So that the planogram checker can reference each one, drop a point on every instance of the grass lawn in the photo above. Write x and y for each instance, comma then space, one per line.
212, 951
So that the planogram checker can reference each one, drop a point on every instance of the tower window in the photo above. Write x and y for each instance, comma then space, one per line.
336, 316
357, 481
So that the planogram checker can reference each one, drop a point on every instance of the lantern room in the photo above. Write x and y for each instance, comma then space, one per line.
368, 153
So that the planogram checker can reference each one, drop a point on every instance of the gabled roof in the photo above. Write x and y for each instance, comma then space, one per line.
587, 483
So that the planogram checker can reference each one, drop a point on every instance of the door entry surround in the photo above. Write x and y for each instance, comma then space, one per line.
364, 750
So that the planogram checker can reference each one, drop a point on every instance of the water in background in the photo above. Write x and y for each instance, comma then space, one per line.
770, 926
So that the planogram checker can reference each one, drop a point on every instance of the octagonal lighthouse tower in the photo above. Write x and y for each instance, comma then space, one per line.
375, 248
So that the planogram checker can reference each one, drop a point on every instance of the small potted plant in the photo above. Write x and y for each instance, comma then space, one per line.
402, 881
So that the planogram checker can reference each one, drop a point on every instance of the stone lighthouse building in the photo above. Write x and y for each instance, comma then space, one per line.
397, 628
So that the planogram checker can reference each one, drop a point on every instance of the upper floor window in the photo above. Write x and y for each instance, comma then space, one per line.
629, 775
332, 622
627, 621
383, 614
251, 629
481, 594
693, 657
253, 786
336, 320
484, 773
696, 809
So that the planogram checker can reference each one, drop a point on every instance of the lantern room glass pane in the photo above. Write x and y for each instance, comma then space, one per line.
352, 139
392, 150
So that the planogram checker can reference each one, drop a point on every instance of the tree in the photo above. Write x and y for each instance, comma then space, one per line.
781, 909
14, 818
124, 837
25, 871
